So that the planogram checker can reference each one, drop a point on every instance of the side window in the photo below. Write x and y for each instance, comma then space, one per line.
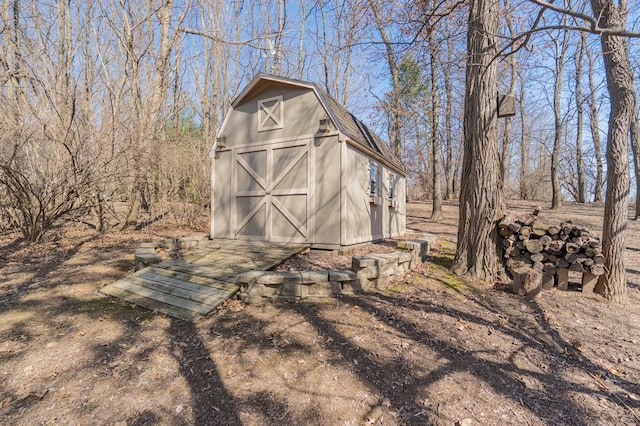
270, 114
392, 181
373, 179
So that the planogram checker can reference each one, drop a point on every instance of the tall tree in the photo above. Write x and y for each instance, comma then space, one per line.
594, 124
615, 51
481, 198
505, 150
635, 148
436, 209
395, 135
524, 144
578, 58
561, 52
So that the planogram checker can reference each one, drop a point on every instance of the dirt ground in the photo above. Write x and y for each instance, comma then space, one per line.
433, 349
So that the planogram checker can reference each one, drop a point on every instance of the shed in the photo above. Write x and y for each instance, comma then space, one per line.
290, 164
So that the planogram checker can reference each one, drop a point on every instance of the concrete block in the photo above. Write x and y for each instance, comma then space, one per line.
250, 276
289, 290
369, 272
280, 278
342, 275
403, 257
142, 260
321, 289
389, 269
563, 278
359, 262
351, 287
589, 282
314, 276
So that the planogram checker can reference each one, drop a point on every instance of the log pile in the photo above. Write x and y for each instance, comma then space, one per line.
540, 256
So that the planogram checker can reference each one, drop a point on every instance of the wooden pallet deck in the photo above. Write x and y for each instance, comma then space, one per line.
194, 285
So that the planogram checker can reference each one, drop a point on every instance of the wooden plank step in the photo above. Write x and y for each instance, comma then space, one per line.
212, 300
155, 305
204, 271
218, 282
156, 275
131, 286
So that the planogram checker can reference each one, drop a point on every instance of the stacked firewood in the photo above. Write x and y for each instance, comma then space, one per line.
531, 245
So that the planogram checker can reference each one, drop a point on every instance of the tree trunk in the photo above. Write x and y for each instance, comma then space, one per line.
448, 87
478, 253
613, 284
152, 120
635, 147
594, 120
579, 120
395, 136
556, 196
506, 136
524, 145
436, 210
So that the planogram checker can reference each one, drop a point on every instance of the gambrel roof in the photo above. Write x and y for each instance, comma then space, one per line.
346, 123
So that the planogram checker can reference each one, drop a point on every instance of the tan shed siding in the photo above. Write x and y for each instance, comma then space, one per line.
222, 196
327, 190
363, 221
395, 216
301, 116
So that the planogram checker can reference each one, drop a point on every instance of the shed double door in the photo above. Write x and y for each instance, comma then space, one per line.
271, 185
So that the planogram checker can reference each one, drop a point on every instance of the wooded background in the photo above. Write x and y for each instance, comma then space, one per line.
120, 101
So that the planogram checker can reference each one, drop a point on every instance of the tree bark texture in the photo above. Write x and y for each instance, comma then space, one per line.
635, 148
594, 120
524, 145
395, 135
579, 120
436, 210
556, 196
481, 200
448, 87
613, 284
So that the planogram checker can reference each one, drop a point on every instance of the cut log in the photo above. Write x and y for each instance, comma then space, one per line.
549, 269
556, 247
525, 231
537, 257
546, 240
548, 281
588, 262
599, 259
562, 263
527, 219
590, 252
553, 230
526, 281
515, 227
507, 243
597, 269
571, 257
572, 248
539, 228
576, 267
533, 246
538, 265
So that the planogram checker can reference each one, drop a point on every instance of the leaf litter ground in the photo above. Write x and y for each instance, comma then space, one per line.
433, 349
